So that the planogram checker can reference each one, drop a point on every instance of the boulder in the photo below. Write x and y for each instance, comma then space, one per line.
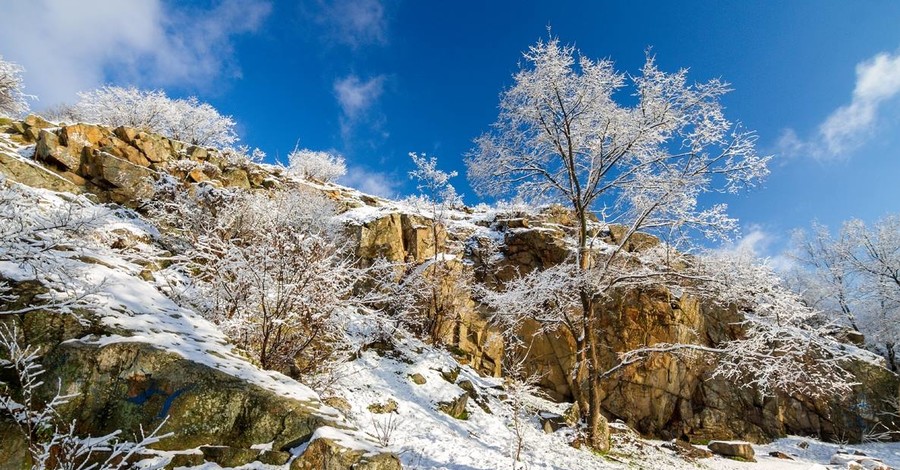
35, 176
156, 149
456, 407
49, 149
33, 120
78, 136
686, 450
418, 378
273, 457
229, 456
551, 422
389, 406
338, 403
331, 449
129, 182
236, 178
735, 449
129, 385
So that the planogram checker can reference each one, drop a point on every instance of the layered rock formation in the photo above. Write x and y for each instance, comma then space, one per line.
119, 165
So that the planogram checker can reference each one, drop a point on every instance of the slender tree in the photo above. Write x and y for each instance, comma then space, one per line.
429, 284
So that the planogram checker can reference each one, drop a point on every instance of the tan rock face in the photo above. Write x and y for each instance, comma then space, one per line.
50, 150
118, 165
669, 396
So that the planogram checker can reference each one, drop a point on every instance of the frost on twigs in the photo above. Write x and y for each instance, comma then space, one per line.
779, 350
187, 120
37, 241
268, 268
12, 98
853, 277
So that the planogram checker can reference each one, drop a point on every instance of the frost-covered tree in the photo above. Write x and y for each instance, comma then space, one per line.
854, 277
311, 164
198, 123
12, 98
187, 120
563, 135
832, 284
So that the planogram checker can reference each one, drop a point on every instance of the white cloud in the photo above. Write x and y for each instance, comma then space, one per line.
371, 182
353, 22
759, 243
68, 46
356, 97
850, 126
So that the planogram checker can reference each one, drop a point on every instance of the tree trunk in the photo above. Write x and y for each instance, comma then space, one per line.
891, 356
598, 424
598, 427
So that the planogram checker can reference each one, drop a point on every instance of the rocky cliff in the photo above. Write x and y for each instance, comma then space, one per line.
664, 396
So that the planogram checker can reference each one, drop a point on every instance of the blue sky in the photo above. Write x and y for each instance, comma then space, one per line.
375, 79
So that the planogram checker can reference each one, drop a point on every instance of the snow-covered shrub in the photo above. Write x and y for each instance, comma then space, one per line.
311, 164
242, 155
12, 98
187, 120
267, 268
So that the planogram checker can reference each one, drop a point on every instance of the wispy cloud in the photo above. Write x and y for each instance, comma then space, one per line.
356, 98
354, 23
371, 182
850, 126
68, 47
760, 243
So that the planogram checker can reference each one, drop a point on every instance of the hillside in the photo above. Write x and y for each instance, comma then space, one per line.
98, 282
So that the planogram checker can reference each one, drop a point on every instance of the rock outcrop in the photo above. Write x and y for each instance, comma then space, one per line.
219, 407
119, 165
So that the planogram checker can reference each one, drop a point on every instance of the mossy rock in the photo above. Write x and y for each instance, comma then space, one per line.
129, 385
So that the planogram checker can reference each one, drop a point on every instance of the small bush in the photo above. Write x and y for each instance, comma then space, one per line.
322, 166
